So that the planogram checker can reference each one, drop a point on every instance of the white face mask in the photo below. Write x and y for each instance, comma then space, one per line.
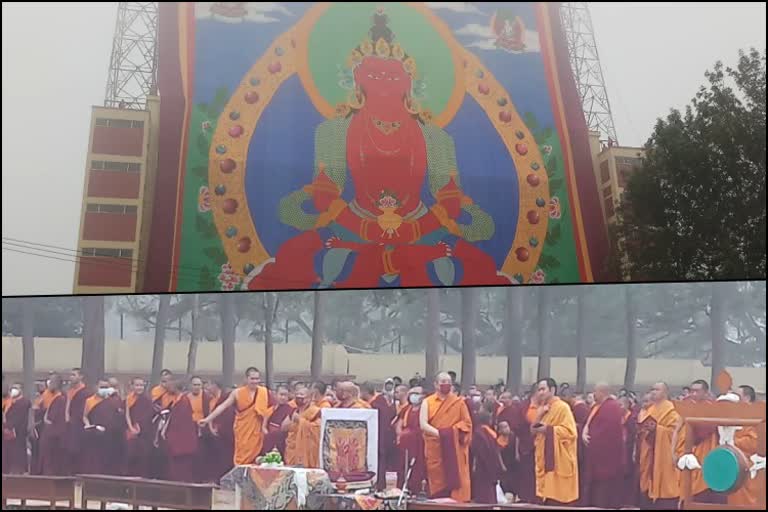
414, 399
15, 392
477, 399
105, 392
48, 383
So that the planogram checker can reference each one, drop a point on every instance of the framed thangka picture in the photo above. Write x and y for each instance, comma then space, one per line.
364, 145
349, 440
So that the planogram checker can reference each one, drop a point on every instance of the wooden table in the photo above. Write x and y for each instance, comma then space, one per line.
138, 492
49, 489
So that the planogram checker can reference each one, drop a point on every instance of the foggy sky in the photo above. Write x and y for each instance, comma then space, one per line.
56, 56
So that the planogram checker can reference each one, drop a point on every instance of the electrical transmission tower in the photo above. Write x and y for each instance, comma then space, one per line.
133, 63
585, 64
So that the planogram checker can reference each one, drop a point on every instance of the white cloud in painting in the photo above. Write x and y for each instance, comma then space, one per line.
239, 12
463, 7
485, 39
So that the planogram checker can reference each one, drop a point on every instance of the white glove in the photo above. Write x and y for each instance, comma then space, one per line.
727, 434
688, 461
758, 463
100, 428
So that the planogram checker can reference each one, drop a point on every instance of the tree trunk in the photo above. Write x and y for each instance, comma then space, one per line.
193, 340
28, 345
543, 323
316, 364
513, 337
717, 318
228, 323
631, 320
158, 349
269, 312
432, 352
581, 359
92, 359
469, 312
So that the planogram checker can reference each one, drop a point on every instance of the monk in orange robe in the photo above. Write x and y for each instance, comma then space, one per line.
180, 436
746, 441
104, 429
15, 423
348, 395
319, 395
252, 403
223, 433
160, 396
555, 440
705, 439
386, 415
274, 434
658, 474
53, 448
302, 445
77, 394
447, 429
138, 433
410, 441
605, 451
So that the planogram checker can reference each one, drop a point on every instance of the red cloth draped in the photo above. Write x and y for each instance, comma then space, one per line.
486, 465
138, 448
101, 451
450, 463
604, 457
275, 438
16, 416
182, 443
53, 453
386, 437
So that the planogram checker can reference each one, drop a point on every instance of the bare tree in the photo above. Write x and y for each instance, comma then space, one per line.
631, 320
432, 352
28, 345
717, 317
469, 314
92, 359
194, 338
318, 315
270, 306
544, 296
581, 359
228, 326
158, 349
513, 337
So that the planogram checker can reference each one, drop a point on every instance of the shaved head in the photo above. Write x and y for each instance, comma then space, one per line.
659, 392
601, 392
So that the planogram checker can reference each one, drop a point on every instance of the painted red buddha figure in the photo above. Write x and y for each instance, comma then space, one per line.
386, 234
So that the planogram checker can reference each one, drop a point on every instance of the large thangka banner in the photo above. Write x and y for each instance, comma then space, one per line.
351, 145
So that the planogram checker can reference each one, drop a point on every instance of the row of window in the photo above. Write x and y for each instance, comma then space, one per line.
107, 253
102, 165
119, 123
111, 208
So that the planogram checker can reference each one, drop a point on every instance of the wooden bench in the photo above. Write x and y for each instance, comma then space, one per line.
49, 489
137, 492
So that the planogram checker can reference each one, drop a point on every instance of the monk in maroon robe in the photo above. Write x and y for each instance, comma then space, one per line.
15, 422
223, 432
631, 484
104, 432
485, 459
524, 473
138, 430
274, 435
386, 410
53, 449
604, 452
580, 409
77, 394
410, 442
180, 439
508, 417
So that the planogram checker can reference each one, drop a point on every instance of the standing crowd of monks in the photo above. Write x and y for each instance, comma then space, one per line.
547, 446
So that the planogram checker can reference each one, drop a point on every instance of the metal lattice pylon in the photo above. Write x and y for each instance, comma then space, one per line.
585, 64
133, 63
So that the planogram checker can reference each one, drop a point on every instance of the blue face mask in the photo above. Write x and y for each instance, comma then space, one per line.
414, 399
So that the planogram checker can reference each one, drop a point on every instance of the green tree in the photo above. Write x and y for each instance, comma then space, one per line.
696, 210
